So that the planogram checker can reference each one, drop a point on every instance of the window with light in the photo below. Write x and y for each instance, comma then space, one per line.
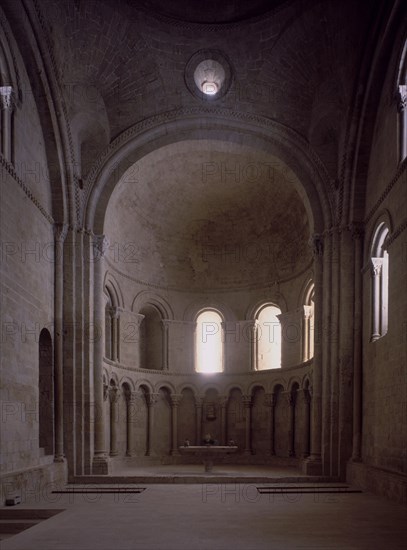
209, 342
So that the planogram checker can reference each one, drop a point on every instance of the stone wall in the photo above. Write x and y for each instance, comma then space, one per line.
384, 430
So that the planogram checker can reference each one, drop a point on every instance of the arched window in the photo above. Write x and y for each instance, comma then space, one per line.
9, 94
112, 326
151, 339
402, 104
209, 342
308, 324
380, 282
108, 328
268, 338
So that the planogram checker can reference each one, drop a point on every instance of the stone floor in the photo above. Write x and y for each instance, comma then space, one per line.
213, 516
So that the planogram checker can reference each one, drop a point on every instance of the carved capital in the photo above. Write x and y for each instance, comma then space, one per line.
114, 394
60, 232
223, 401
175, 399
269, 400
290, 398
306, 395
105, 391
114, 312
377, 264
131, 396
317, 244
402, 97
100, 246
247, 401
6, 98
357, 230
199, 401
152, 399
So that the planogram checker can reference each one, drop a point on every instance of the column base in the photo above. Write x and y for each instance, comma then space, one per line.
153, 454
312, 466
175, 452
59, 458
100, 465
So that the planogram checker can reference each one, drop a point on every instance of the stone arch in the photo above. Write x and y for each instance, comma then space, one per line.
144, 383
128, 382
165, 385
188, 386
294, 381
148, 297
277, 383
193, 309
383, 217
112, 285
233, 386
255, 385
260, 133
278, 301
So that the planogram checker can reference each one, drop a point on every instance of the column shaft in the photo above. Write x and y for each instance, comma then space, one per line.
100, 464
357, 352
60, 234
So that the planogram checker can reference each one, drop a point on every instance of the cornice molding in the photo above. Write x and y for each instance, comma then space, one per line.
265, 284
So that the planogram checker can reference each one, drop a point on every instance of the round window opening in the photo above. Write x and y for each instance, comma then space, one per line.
209, 77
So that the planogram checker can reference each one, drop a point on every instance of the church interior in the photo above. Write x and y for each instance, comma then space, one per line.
203, 254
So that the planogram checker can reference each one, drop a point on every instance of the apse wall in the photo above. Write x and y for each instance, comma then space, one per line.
276, 401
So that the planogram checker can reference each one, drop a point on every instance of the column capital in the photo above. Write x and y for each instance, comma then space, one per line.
223, 400
114, 394
402, 97
290, 399
269, 399
100, 246
376, 266
105, 391
357, 230
114, 312
306, 395
175, 399
131, 396
247, 401
6, 98
60, 232
317, 244
199, 401
152, 399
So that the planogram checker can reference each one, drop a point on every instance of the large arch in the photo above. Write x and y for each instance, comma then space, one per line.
298, 160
